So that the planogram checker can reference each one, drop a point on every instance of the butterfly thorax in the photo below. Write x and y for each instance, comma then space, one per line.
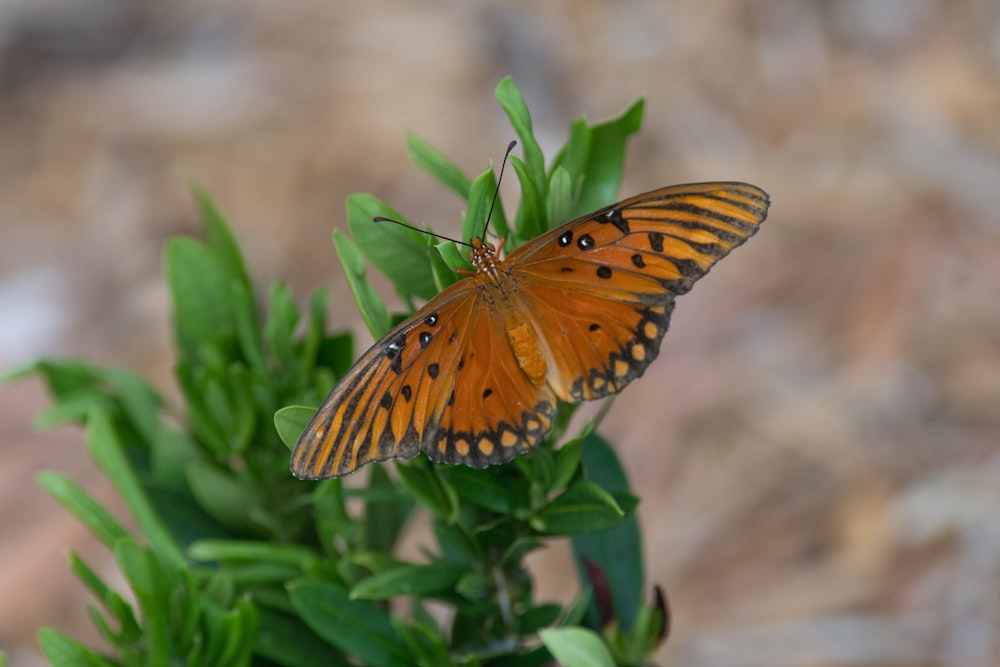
499, 290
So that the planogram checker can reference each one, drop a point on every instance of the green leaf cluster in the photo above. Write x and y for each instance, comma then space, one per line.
232, 561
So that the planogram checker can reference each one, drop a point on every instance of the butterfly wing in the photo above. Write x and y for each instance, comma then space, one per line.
382, 407
490, 409
600, 290
444, 381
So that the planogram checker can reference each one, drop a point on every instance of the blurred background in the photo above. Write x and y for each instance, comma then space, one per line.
818, 450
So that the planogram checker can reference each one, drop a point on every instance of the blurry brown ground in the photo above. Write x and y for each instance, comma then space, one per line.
819, 447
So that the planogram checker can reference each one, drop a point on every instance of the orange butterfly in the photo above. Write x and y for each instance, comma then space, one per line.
575, 314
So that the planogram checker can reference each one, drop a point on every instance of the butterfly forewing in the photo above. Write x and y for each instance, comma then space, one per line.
607, 282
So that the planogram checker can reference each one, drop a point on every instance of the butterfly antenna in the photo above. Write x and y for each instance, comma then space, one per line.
380, 218
496, 193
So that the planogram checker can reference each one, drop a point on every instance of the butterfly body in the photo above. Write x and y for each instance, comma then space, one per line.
576, 314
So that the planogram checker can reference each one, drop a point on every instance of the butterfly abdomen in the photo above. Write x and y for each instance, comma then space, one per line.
524, 343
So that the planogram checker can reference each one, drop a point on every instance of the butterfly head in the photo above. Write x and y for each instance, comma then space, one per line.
485, 256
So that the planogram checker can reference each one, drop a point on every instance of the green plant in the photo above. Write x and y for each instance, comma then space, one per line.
235, 562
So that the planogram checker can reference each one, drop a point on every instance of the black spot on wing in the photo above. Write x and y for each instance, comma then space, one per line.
615, 218
656, 241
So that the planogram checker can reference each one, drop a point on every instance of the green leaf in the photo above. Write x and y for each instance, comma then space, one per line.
62, 651
398, 252
247, 328
583, 508
200, 287
220, 239
285, 640
437, 165
384, 519
220, 494
151, 586
105, 448
617, 552
567, 460
314, 338
517, 111
356, 627
279, 329
333, 524
602, 176
291, 421
577, 647
369, 303
485, 489
481, 193
63, 377
416, 580
429, 489
532, 219
560, 202
538, 617
455, 259
73, 409
83, 506
572, 157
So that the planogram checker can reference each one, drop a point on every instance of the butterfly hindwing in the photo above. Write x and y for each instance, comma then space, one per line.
607, 281
493, 411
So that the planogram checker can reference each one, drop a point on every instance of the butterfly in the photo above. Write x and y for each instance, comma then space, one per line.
573, 315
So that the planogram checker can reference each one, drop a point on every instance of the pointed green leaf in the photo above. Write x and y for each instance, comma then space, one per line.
602, 176
356, 627
291, 421
220, 493
480, 197
532, 219
560, 202
220, 240
62, 651
285, 640
572, 157
517, 111
105, 448
437, 165
429, 489
200, 287
369, 303
83, 506
417, 580
583, 508
399, 253
617, 552
384, 519
577, 647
